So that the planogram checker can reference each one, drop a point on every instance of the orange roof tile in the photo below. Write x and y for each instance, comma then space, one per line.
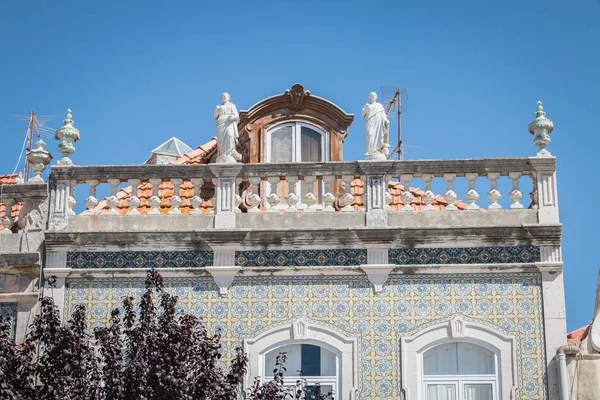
9, 179
165, 190
577, 335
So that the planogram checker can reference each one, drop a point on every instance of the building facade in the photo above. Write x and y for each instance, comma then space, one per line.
374, 285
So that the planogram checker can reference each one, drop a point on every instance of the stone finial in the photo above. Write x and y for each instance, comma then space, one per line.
67, 135
541, 127
38, 159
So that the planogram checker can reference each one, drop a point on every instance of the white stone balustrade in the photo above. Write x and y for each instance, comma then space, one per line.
298, 188
28, 197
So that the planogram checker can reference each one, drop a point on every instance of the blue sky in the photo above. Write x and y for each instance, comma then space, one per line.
137, 73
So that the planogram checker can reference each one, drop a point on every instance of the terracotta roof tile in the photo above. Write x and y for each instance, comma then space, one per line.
165, 190
577, 335
9, 179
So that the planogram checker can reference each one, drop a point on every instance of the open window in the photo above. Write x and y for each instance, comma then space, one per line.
318, 364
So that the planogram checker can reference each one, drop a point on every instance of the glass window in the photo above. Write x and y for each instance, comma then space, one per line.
310, 145
459, 370
282, 149
318, 364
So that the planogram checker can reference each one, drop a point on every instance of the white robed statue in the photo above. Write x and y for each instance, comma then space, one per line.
226, 117
377, 127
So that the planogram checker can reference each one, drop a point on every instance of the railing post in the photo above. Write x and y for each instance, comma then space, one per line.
545, 187
375, 188
60, 191
225, 192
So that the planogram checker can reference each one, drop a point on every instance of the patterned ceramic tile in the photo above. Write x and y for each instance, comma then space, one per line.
10, 309
139, 259
464, 255
300, 258
512, 303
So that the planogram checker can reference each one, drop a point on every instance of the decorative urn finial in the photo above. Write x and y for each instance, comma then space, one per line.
541, 127
38, 159
67, 135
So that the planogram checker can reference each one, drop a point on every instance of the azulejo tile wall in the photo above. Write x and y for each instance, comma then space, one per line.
465, 255
10, 310
511, 303
300, 258
139, 259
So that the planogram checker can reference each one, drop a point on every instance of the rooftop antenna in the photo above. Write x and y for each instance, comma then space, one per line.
35, 127
394, 100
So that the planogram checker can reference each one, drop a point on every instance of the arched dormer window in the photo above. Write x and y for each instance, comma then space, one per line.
296, 141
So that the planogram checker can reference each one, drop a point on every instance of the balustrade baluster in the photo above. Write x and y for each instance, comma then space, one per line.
175, 199
450, 194
253, 199
292, 198
71, 202
112, 201
196, 200
406, 196
428, 196
515, 195
347, 197
134, 201
472, 194
494, 195
328, 197
154, 201
91, 201
7, 220
273, 199
309, 198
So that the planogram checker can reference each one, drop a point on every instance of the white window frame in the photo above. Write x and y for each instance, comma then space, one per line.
459, 381
297, 153
302, 331
290, 378
412, 348
296, 139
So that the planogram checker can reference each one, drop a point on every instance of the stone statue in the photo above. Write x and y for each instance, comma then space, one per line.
226, 116
377, 128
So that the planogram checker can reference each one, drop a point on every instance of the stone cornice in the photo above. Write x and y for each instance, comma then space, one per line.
308, 238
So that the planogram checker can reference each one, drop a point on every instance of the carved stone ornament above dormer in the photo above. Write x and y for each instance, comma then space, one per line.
297, 95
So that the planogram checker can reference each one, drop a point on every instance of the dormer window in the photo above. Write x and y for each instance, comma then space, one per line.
295, 142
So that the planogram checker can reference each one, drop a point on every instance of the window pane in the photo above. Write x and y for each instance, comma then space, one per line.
311, 360
293, 363
473, 359
478, 391
441, 360
441, 392
310, 145
281, 144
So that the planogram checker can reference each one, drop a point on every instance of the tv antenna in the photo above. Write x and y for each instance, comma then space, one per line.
36, 127
394, 100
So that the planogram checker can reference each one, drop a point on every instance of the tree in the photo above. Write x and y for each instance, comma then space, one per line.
149, 354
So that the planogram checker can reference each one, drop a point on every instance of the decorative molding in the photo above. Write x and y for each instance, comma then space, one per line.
223, 277
457, 328
139, 259
299, 258
300, 329
297, 95
465, 255
378, 274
